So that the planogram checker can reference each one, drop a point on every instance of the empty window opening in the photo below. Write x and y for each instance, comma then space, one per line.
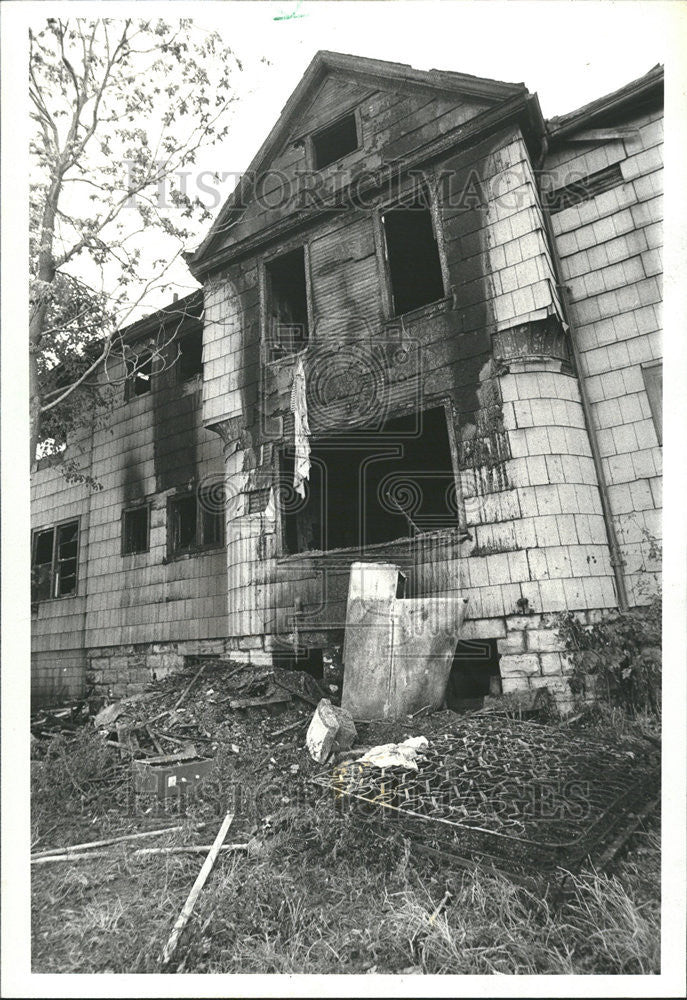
135, 530
287, 304
196, 521
335, 141
190, 360
139, 371
413, 255
474, 673
55, 561
358, 495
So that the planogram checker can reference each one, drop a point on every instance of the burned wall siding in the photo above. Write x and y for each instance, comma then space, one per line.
130, 595
610, 248
391, 125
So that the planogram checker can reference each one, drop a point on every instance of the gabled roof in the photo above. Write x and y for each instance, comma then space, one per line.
370, 71
647, 87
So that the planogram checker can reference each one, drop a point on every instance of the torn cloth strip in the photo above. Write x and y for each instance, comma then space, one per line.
301, 436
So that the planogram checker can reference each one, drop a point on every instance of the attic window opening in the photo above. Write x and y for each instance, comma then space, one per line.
335, 141
190, 362
287, 304
412, 252
139, 371
355, 497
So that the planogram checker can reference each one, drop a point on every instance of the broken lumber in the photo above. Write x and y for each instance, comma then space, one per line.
200, 881
180, 699
296, 694
287, 729
113, 840
138, 853
187, 689
270, 699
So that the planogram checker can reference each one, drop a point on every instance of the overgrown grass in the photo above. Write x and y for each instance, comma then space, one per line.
323, 895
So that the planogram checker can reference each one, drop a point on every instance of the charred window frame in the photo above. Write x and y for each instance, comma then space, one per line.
55, 561
652, 373
411, 249
190, 359
335, 140
286, 303
139, 374
195, 521
317, 523
136, 529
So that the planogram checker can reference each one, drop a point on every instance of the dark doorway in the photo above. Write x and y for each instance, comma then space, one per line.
474, 673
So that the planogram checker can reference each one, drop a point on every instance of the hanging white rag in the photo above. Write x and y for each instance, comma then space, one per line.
301, 434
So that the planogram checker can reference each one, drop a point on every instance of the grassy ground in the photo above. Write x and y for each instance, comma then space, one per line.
316, 893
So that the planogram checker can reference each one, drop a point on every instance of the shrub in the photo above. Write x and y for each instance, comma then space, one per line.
622, 653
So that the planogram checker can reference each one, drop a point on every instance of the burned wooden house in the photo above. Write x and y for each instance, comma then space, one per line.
428, 335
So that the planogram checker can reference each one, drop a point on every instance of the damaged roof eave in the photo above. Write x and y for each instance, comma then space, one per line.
647, 87
370, 70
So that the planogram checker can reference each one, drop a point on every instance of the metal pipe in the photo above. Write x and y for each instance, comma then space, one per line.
617, 561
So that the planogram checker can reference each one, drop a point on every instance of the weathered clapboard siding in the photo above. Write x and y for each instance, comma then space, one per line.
610, 248
146, 452
530, 537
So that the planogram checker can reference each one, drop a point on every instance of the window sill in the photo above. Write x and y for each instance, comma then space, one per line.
191, 553
423, 312
404, 543
49, 600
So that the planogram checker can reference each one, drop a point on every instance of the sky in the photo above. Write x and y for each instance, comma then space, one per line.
569, 52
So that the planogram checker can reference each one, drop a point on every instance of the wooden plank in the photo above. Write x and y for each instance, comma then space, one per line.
203, 874
112, 840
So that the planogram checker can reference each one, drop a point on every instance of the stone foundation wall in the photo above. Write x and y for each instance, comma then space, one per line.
532, 656
120, 671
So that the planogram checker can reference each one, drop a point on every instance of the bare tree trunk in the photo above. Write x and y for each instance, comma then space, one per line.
39, 306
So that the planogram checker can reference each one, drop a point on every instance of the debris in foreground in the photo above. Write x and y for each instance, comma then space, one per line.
200, 881
140, 852
331, 729
519, 795
112, 840
396, 754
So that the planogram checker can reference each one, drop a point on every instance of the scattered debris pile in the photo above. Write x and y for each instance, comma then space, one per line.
46, 723
178, 718
519, 796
